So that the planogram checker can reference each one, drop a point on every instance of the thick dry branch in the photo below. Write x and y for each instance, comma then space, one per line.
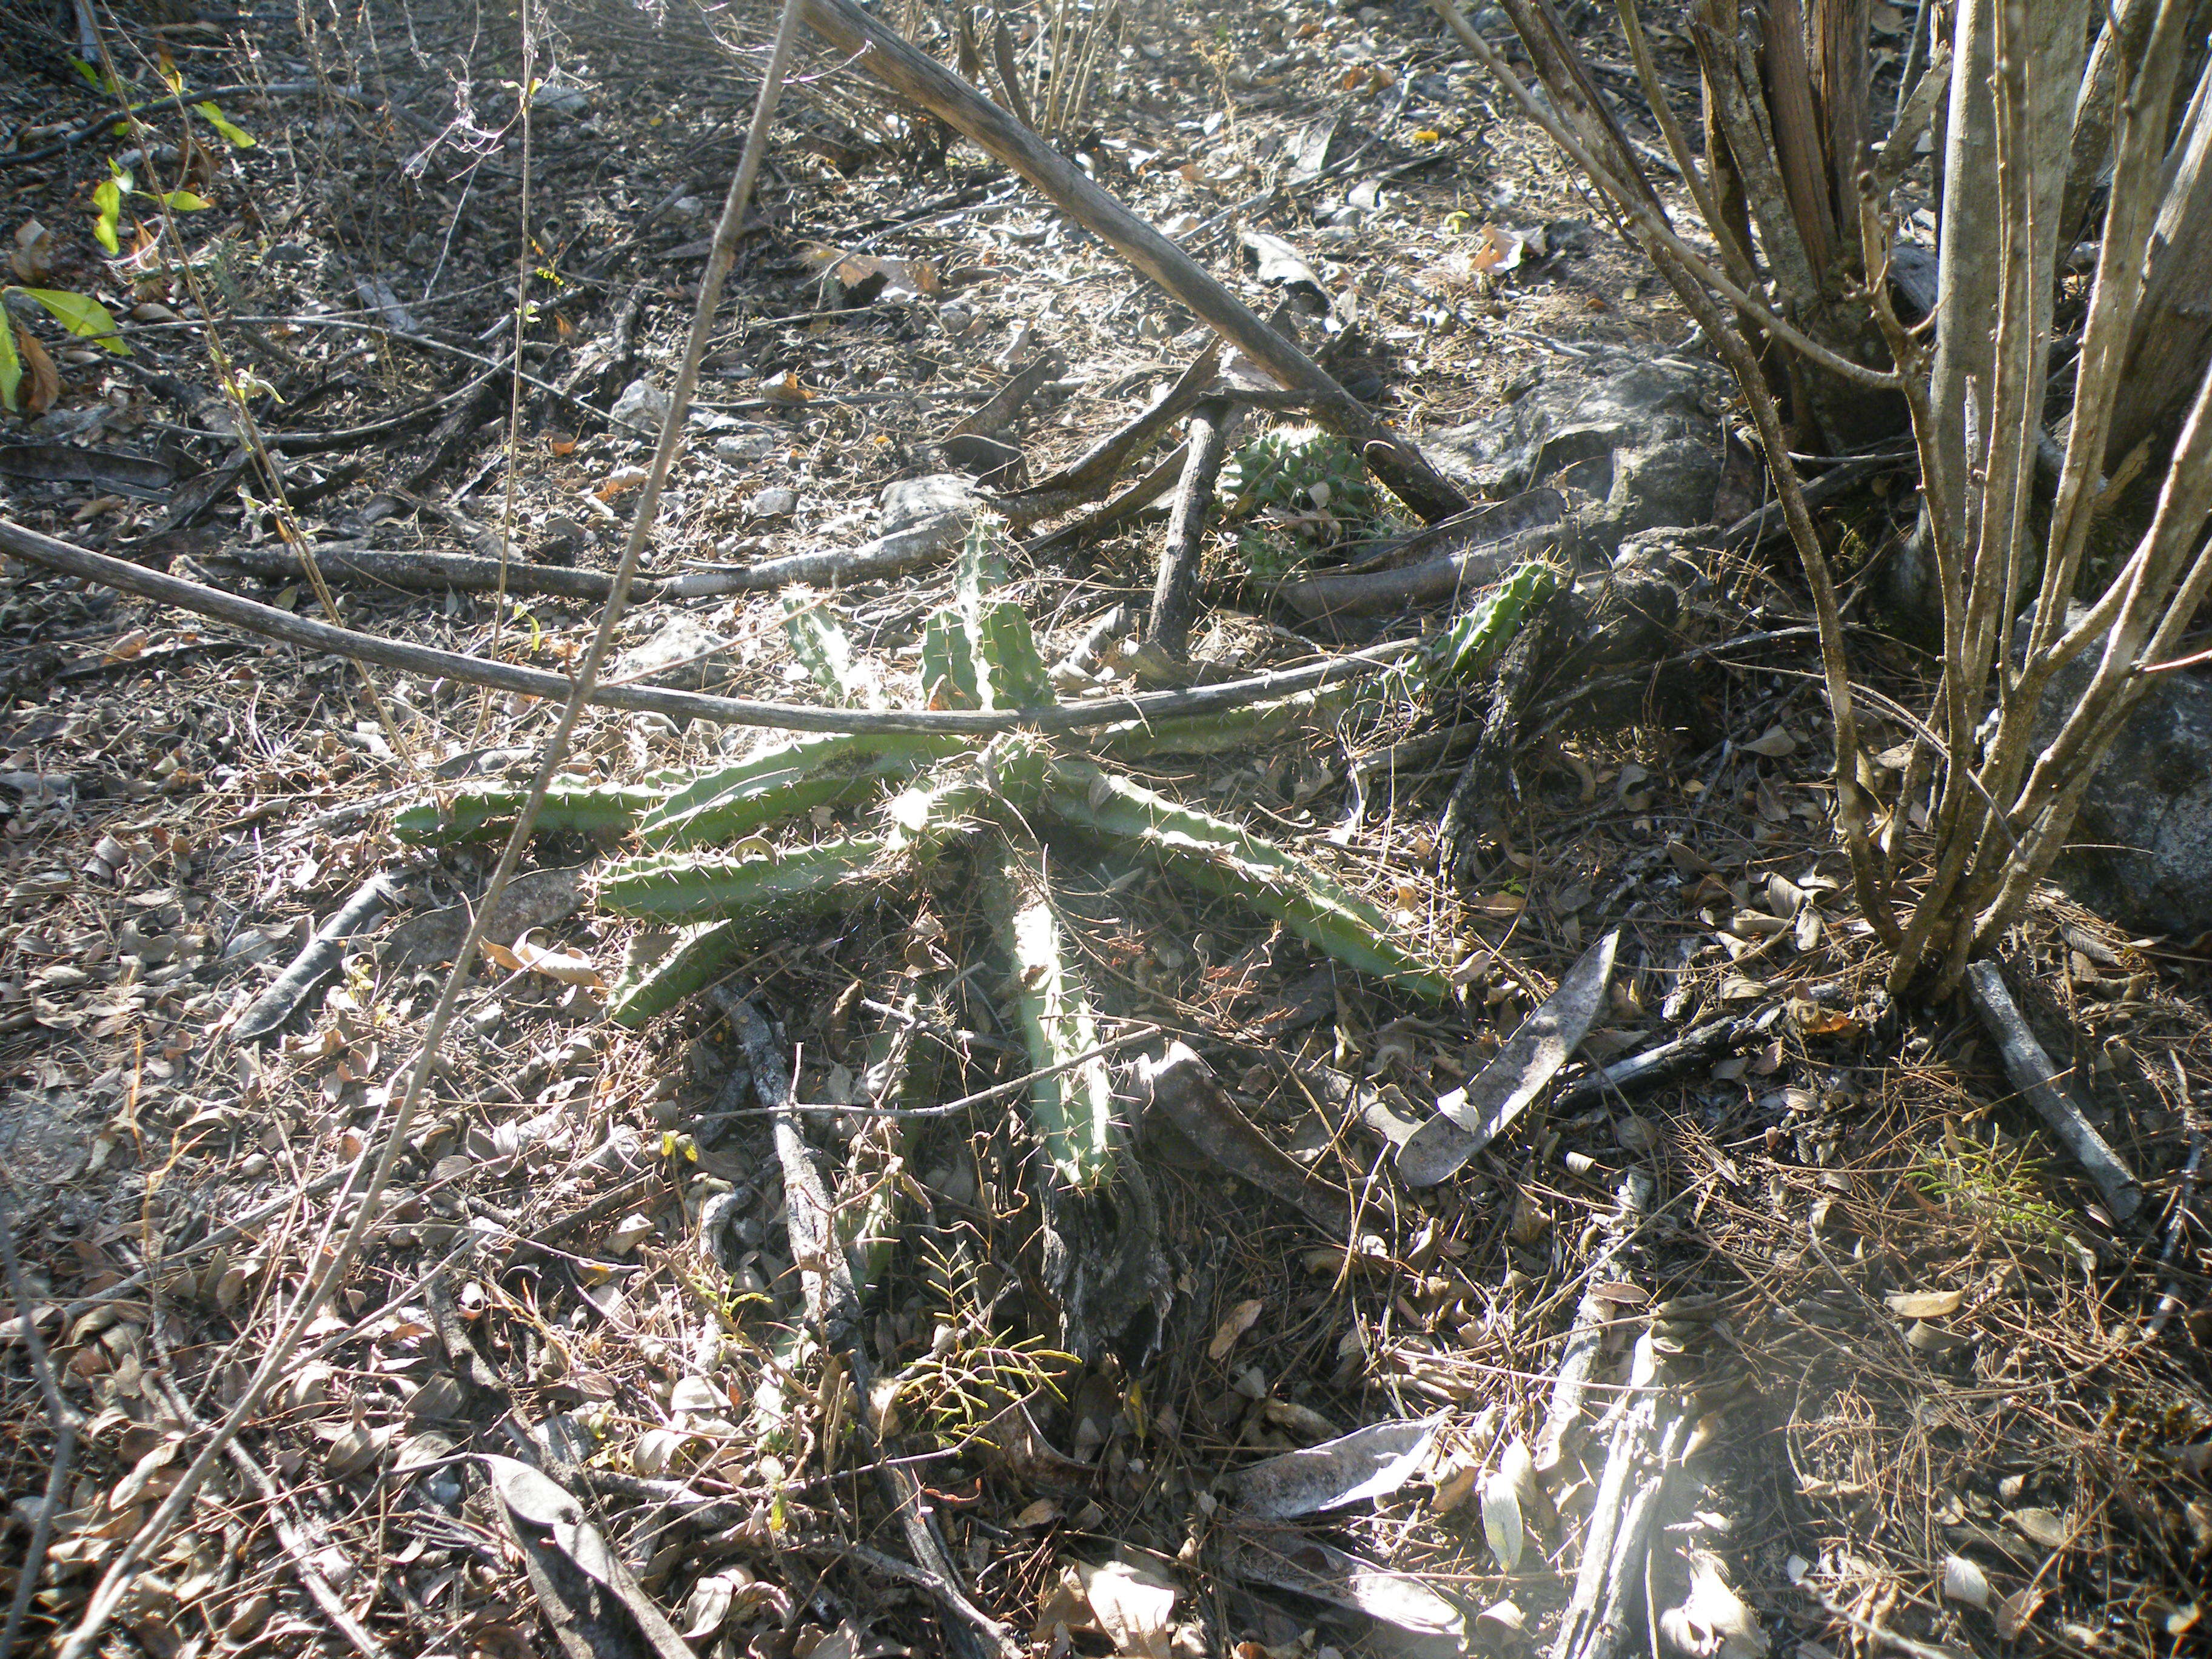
2033, 1074
1090, 473
267, 620
1174, 595
1648, 1429
1489, 543
461, 572
1631, 1202
876, 49
1124, 506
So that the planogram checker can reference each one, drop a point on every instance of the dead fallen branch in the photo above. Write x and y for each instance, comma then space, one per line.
2036, 1078
1476, 548
1090, 473
1649, 1426
1632, 1201
1174, 596
1655, 1065
881, 53
65, 1420
461, 572
265, 619
876, 561
1124, 506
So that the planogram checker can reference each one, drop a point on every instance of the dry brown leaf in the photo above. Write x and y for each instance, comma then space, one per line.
566, 966
42, 381
34, 252
1241, 1319
1135, 1607
1924, 1305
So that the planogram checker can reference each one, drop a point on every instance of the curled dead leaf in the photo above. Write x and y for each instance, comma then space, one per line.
1241, 1319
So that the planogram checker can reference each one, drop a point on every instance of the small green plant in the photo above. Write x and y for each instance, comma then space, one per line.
706, 868
972, 1371
109, 196
87, 319
1998, 1186
1299, 487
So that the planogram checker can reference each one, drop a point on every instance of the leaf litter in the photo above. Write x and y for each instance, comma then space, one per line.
188, 808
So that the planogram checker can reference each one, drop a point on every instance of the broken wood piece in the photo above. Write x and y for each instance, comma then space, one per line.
1472, 550
878, 50
463, 573
1124, 506
1092, 472
2036, 1078
1174, 595
1183, 1090
273, 624
1468, 1119
1656, 1064
995, 416
1648, 1429
1631, 1200
871, 562
318, 958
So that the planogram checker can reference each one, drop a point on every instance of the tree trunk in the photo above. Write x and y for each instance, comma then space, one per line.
1972, 246
2172, 335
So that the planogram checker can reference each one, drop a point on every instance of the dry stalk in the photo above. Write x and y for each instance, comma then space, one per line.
1976, 399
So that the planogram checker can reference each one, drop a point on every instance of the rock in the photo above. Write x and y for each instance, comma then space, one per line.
560, 541
560, 98
1637, 440
642, 405
748, 445
536, 898
775, 503
2141, 848
682, 654
907, 502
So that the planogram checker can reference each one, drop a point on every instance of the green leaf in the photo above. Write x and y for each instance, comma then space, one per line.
85, 318
11, 364
107, 196
236, 138
182, 201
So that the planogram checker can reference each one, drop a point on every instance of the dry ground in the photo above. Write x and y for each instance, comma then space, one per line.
185, 802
